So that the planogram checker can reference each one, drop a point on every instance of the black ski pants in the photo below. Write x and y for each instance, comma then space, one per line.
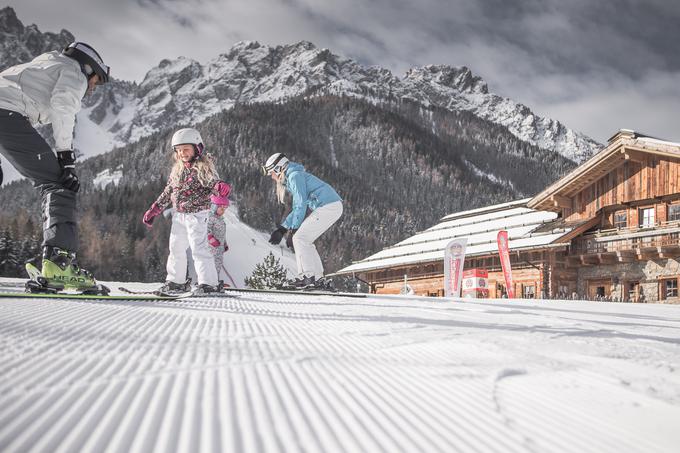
30, 154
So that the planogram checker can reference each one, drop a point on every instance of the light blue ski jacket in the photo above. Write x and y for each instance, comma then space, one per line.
308, 192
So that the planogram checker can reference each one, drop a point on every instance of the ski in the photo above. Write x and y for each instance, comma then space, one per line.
181, 295
302, 292
58, 295
153, 292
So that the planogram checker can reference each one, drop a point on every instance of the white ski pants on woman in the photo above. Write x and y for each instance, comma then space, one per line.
321, 219
190, 231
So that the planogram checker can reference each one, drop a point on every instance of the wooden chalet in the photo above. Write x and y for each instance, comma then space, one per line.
610, 229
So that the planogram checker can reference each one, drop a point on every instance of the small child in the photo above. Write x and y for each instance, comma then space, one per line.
192, 183
217, 232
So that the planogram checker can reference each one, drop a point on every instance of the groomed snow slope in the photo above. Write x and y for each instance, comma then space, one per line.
273, 372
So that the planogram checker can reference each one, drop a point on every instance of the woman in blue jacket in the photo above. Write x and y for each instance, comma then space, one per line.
309, 192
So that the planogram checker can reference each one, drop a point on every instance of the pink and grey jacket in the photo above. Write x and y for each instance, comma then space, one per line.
188, 195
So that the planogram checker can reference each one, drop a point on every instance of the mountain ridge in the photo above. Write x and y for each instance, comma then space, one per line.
183, 91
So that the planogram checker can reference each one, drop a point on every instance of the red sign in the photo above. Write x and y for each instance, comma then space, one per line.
476, 273
475, 283
505, 262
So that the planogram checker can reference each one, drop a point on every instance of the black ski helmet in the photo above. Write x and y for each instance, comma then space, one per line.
91, 62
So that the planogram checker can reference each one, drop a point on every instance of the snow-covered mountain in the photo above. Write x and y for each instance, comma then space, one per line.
183, 91
456, 88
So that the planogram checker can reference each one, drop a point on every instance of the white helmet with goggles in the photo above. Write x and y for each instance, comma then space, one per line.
275, 164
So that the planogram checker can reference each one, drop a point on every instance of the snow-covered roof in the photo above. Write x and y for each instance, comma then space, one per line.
479, 226
486, 209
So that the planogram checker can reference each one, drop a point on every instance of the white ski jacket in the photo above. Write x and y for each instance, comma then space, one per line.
48, 89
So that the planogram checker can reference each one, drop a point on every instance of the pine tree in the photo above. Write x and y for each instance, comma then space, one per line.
9, 255
267, 275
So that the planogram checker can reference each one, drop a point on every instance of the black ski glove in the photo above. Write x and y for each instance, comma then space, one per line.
0, 173
277, 235
289, 239
67, 162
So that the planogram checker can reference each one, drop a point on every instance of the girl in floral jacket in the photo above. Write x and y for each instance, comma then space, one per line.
192, 183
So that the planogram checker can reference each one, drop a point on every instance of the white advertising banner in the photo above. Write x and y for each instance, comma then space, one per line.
454, 259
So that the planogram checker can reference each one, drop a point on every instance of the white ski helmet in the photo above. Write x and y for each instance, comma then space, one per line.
275, 164
91, 62
188, 136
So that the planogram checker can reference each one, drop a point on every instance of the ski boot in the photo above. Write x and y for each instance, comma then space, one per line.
324, 284
203, 289
221, 285
60, 271
299, 284
174, 288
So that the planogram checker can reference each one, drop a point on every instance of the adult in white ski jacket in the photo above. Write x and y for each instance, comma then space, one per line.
49, 90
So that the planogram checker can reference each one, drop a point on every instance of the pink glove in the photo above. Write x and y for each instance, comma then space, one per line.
151, 214
222, 188
212, 240
221, 192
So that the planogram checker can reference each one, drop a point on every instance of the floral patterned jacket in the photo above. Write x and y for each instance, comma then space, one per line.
188, 195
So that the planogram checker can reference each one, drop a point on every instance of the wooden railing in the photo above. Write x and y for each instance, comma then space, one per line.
628, 239
383, 279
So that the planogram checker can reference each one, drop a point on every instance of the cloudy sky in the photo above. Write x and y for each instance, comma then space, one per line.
598, 66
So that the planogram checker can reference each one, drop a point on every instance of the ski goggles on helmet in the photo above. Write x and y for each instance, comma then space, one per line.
89, 59
275, 164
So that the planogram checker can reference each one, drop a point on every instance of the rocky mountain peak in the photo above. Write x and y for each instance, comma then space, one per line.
19, 43
9, 22
459, 78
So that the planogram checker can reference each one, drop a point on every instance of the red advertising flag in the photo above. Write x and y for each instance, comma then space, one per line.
505, 262
454, 259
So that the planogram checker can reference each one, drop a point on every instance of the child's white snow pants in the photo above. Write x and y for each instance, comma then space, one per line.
308, 260
190, 231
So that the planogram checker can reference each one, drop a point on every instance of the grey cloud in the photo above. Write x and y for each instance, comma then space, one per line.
564, 58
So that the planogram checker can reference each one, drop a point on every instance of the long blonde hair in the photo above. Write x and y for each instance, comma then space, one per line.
205, 169
281, 190
281, 185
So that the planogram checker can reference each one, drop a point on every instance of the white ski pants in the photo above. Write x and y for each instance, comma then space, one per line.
308, 260
190, 231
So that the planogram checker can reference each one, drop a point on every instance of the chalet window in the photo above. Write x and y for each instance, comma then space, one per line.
673, 212
669, 288
647, 218
620, 219
528, 291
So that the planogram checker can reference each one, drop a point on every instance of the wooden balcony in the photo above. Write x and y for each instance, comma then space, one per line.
626, 245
